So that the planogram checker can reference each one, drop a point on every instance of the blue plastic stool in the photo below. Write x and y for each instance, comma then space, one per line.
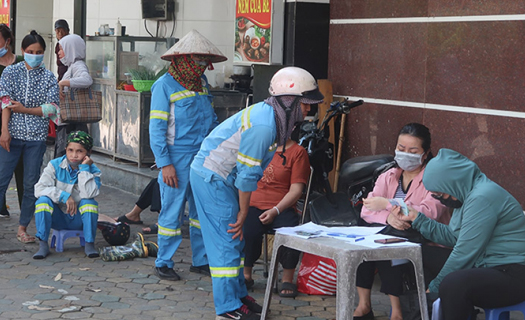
502, 313
59, 236
436, 310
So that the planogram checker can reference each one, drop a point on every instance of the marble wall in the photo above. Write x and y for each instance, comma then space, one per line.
426, 61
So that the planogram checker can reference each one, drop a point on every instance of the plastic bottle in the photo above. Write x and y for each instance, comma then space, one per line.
118, 28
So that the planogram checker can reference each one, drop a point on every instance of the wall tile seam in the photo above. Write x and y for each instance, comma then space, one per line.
482, 18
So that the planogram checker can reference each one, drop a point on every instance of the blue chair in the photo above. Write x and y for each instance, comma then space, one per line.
59, 236
502, 313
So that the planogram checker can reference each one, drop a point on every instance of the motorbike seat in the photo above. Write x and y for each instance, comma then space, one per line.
358, 168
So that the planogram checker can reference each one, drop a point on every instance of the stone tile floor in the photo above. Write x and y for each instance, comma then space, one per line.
69, 285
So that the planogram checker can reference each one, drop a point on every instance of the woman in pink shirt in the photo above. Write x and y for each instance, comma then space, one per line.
405, 181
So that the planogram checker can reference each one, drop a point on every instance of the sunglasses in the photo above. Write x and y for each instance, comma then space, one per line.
437, 196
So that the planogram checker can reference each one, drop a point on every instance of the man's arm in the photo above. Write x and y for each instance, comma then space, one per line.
244, 205
46, 186
88, 179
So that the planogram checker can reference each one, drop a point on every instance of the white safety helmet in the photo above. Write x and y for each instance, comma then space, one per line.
294, 81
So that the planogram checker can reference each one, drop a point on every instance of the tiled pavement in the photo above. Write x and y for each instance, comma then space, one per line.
69, 285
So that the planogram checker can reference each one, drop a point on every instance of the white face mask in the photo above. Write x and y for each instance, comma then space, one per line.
408, 161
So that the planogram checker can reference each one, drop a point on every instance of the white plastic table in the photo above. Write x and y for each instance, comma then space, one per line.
347, 257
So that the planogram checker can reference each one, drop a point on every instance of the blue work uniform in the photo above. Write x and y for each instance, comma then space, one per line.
57, 184
232, 158
179, 121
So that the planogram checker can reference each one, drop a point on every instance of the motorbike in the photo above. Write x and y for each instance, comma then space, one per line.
356, 179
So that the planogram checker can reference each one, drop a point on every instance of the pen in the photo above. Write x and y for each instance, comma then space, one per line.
359, 239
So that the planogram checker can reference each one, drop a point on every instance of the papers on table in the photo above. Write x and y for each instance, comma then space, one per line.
363, 236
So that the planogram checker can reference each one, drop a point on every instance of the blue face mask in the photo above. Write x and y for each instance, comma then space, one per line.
34, 60
3, 51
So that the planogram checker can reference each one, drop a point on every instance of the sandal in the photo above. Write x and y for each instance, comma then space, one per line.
128, 221
288, 286
153, 229
25, 238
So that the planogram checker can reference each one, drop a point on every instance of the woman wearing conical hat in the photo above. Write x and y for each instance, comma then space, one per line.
181, 116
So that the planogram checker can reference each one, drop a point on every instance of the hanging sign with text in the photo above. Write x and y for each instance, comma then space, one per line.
255, 31
5, 10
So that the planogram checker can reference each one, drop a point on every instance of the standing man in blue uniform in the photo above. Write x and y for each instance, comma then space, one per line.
225, 172
181, 116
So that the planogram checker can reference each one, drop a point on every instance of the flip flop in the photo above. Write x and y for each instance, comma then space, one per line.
126, 220
288, 286
153, 229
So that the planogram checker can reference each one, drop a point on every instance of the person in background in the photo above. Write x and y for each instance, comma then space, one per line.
405, 182
66, 192
225, 172
7, 58
487, 233
150, 196
61, 30
272, 206
25, 89
72, 53
181, 116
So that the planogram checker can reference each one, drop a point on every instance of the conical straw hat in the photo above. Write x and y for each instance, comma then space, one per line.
195, 43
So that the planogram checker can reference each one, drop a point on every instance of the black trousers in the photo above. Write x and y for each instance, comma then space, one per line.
150, 196
492, 287
253, 231
434, 259
391, 276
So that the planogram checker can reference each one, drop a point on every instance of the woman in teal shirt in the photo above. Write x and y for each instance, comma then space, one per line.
487, 232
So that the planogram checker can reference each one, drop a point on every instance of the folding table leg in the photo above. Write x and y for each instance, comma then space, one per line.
346, 273
271, 276
415, 257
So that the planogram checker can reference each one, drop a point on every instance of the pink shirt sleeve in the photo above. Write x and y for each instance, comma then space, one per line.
384, 187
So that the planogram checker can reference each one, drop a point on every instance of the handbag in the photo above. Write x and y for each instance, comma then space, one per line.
317, 275
81, 106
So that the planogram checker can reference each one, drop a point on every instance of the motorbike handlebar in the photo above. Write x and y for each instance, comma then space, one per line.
345, 106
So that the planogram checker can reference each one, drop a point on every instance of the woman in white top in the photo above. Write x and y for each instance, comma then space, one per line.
72, 54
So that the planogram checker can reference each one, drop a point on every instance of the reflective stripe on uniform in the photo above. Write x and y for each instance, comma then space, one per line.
157, 114
181, 95
225, 272
247, 160
169, 232
245, 119
88, 208
273, 147
195, 223
43, 207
